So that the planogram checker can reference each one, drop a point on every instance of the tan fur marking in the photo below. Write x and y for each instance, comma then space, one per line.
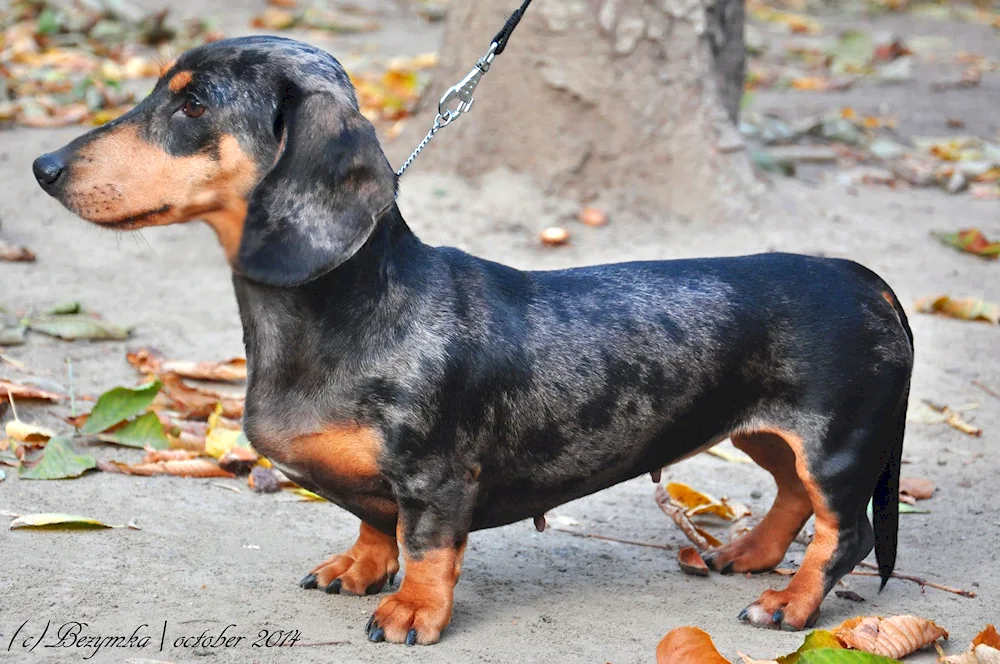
765, 546
803, 595
425, 598
889, 298
370, 562
347, 450
179, 81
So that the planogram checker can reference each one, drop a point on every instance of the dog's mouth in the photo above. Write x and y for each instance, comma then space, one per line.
134, 221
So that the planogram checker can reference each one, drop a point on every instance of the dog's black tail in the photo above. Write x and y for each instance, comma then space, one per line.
885, 501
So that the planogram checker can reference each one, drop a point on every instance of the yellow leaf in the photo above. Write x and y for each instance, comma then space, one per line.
56, 520
695, 503
967, 309
307, 494
731, 457
218, 439
27, 433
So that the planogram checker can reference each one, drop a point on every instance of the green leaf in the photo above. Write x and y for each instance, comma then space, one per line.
65, 308
906, 508
144, 430
77, 326
119, 404
853, 53
11, 335
9, 459
48, 22
833, 656
56, 520
59, 461
815, 640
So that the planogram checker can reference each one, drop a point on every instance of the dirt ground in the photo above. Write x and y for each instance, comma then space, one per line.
207, 558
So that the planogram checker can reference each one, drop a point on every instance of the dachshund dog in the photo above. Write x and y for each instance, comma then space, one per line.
432, 393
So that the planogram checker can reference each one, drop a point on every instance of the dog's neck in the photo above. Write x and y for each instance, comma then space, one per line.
227, 222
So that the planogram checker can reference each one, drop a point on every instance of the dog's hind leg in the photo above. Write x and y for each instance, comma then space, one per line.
839, 490
364, 569
764, 547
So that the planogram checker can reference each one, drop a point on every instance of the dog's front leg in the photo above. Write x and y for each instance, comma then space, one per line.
433, 526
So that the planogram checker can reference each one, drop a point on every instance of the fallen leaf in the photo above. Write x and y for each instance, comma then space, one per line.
151, 361
700, 538
833, 656
220, 439
895, 637
273, 18
59, 461
688, 645
722, 453
199, 467
971, 240
815, 640
238, 460
15, 254
144, 431
691, 562
28, 433
77, 326
118, 405
155, 456
696, 503
27, 392
55, 520
306, 494
196, 402
987, 637
849, 595
968, 309
916, 488
981, 654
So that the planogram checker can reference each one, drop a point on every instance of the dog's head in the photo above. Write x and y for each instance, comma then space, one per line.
259, 136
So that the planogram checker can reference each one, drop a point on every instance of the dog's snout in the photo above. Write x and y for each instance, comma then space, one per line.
48, 168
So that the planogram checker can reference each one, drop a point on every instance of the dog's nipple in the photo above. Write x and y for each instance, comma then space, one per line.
540, 523
655, 474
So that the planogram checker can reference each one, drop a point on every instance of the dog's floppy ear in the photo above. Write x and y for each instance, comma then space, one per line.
319, 203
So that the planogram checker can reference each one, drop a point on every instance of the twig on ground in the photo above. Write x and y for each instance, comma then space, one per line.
915, 579
11, 360
990, 391
226, 486
323, 643
608, 538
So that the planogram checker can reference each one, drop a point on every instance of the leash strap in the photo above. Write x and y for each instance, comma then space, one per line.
459, 97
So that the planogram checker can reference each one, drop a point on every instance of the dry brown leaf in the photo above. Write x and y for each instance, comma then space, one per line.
554, 236
688, 645
195, 402
15, 254
152, 361
28, 433
20, 391
894, 637
701, 539
917, 488
592, 216
180, 468
969, 309
155, 456
690, 562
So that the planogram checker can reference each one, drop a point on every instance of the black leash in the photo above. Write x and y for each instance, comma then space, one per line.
463, 91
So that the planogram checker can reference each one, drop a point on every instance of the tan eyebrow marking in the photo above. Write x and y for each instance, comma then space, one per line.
179, 81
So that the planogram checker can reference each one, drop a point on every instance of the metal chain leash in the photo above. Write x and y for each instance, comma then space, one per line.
458, 98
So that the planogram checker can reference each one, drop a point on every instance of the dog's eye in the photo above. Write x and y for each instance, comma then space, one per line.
193, 108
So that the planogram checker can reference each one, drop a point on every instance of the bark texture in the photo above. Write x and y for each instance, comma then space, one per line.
634, 100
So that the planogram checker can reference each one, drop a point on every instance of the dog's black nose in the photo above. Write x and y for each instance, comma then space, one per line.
48, 168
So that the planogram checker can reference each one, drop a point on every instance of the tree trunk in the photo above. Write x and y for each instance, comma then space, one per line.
629, 100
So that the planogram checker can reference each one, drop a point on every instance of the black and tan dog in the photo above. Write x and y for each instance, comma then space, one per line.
432, 393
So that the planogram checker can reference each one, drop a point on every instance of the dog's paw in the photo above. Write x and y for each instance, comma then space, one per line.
357, 573
747, 554
410, 617
781, 610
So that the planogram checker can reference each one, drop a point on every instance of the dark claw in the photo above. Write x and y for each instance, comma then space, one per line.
308, 581
727, 569
789, 627
743, 614
368, 626
777, 617
334, 587
411, 637
373, 588
377, 635
392, 578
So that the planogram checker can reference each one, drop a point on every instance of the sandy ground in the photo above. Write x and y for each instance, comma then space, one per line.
207, 558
